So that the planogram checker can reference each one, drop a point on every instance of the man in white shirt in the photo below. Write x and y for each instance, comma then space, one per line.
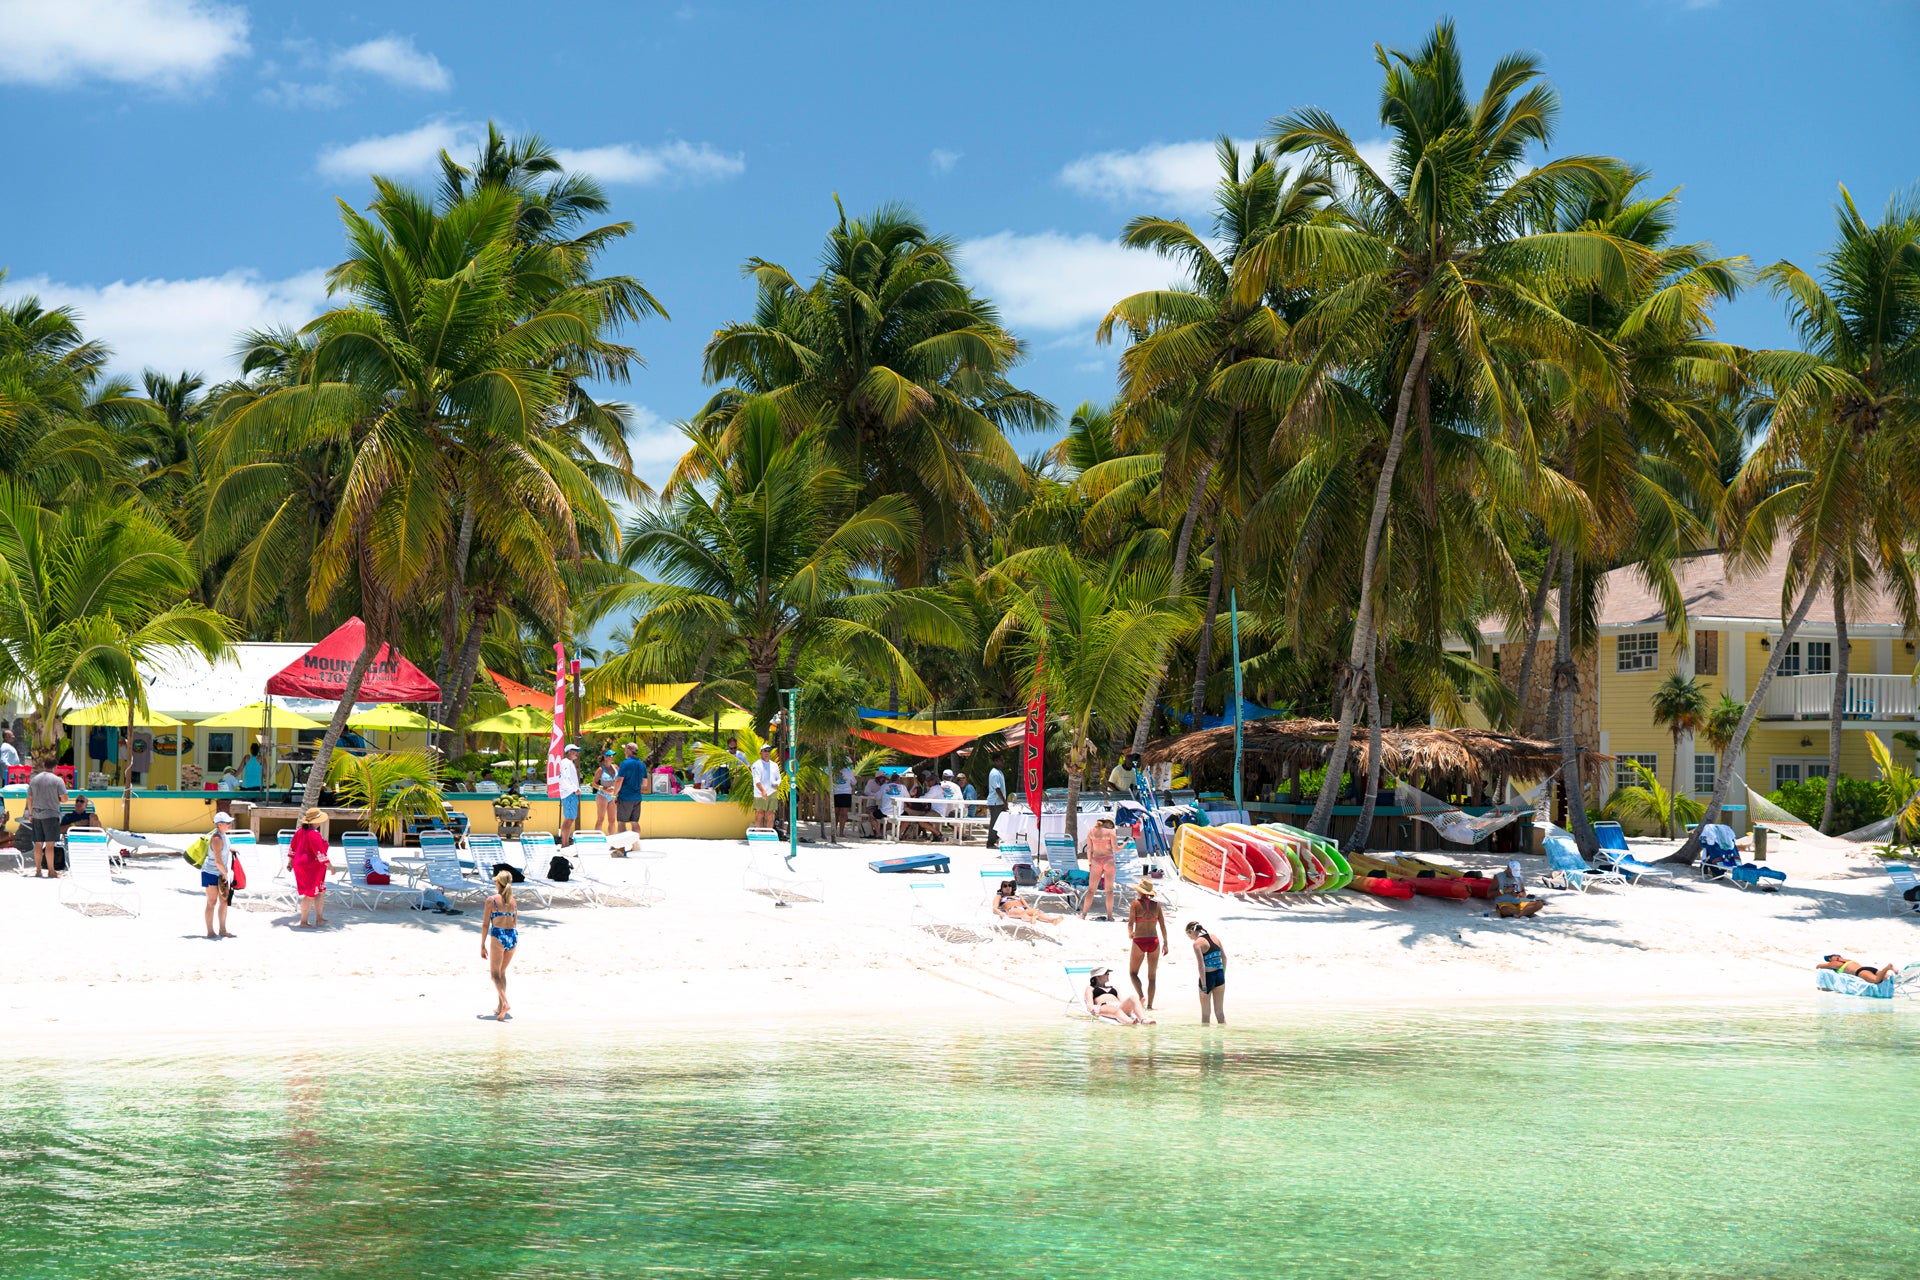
569, 793
996, 803
842, 800
947, 792
766, 789
9, 754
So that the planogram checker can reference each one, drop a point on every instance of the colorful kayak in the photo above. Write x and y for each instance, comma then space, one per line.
1478, 886
1440, 887
1264, 848
1203, 857
1340, 872
1382, 885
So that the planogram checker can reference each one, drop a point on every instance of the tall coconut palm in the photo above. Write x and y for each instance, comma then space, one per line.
900, 365
89, 594
1438, 272
438, 377
1192, 345
1832, 486
767, 553
1680, 706
1091, 635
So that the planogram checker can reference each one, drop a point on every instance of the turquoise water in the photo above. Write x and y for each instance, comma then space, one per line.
1606, 1144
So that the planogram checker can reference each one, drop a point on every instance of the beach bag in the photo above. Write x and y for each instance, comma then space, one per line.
1023, 874
239, 872
60, 855
196, 854
560, 870
510, 869
377, 877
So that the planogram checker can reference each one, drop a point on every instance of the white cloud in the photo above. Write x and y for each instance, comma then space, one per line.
1057, 281
172, 325
411, 152
1182, 175
642, 166
656, 444
395, 60
942, 160
164, 44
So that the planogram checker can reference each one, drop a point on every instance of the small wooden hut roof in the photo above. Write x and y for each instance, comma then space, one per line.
1464, 757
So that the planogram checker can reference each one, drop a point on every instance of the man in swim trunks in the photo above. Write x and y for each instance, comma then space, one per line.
1866, 973
1147, 926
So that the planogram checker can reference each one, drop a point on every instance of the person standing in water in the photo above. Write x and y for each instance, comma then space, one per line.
499, 937
1212, 959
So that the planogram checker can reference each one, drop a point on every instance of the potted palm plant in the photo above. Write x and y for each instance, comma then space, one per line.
388, 789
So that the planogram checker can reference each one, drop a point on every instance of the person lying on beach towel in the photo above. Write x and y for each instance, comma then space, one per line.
1010, 904
1510, 897
1866, 973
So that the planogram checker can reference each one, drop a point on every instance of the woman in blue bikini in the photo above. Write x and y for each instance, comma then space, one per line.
499, 935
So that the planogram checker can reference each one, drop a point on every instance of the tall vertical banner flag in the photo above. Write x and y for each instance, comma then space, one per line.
1033, 758
557, 740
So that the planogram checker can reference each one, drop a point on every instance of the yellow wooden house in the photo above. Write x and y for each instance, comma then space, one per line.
1733, 627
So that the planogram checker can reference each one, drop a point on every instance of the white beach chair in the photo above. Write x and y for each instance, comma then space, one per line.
539, 848
356, 846
768, 875
1901, 882
491, 851
442, 871
991, 878
1062, 860
89, 881
1079, 974
932, 912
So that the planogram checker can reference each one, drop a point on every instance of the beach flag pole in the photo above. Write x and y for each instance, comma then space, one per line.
793, 775
1233, 615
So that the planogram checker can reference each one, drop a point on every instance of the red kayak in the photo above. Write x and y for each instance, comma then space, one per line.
1439, 887
1477, 885
1381, 885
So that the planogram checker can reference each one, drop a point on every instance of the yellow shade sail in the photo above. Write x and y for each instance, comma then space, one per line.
945, 727
115, 713
254, 716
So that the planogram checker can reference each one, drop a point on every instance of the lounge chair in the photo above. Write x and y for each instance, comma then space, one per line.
89, 880
1079, 974
769, 875
1063, 864
539, 848
491, 852
1569, 870
357, 846
991, 878
1720, 859
1903, 883
442, 872
1615, 855
932, 913
1852, 984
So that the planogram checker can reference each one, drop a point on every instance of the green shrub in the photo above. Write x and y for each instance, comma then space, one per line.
1856, 803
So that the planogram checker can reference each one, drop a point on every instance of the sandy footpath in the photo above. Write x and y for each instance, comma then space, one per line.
714, 950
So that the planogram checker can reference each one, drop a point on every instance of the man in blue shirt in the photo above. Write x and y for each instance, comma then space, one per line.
626, 803
996, 802
250, 776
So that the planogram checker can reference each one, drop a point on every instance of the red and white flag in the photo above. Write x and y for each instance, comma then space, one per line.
557, 741
1034, 750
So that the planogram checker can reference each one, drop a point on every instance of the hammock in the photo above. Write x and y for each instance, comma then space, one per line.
1456, 824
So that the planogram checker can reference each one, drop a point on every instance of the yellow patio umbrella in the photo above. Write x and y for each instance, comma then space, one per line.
643, 717
115, 713
258, 715
391, 715
524, 722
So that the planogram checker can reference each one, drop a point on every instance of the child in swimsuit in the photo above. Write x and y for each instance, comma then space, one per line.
1212, 959
1147, 926
498, 937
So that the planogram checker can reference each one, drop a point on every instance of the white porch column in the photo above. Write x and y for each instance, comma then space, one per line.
1682, 780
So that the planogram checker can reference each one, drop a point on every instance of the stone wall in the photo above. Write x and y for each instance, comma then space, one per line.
1533, 716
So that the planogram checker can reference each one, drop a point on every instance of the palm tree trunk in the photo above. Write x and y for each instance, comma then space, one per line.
1837, 709
1566, 683
317, 777
1535, 621
1354, 673
1206, 637
1673, 797
1076, 774
456, 586
1196, 496
1363, 829
465, 671
1724, 777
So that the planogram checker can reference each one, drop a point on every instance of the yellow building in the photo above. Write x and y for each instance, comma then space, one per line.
1734, 626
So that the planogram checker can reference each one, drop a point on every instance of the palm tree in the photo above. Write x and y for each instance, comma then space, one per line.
1680, 704
1838, 475
388, 788
903, 369
1437, 274
766, 553
1198, 352
53, 394
1102, 629
1860, 323
457, 347
89, 594
1648, 801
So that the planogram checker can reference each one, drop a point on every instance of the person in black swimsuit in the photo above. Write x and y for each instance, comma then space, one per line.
1103, 999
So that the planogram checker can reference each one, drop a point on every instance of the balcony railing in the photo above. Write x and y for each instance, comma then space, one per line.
1869, 697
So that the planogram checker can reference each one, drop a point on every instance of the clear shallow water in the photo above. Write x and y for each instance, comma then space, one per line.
1614, 1144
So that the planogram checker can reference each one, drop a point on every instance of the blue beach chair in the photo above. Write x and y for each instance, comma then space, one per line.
1568, 869
1720, 859
1616, 856
1903, 884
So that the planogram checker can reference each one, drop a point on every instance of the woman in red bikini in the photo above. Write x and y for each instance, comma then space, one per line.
1147, 926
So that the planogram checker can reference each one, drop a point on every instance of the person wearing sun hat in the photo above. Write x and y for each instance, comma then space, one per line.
310, 860
569, 792
766, 789
1104, 1000
1147, 926
216, 873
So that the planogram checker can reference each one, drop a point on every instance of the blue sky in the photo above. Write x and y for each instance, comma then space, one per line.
176, 161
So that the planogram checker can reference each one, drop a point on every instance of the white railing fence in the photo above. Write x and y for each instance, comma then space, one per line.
1869, 697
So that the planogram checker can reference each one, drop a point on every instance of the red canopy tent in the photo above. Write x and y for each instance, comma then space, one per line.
321, 672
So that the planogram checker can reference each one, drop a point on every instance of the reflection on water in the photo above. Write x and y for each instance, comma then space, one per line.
1419, 1145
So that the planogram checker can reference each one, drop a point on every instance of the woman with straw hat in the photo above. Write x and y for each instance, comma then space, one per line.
1147, 926
310, 859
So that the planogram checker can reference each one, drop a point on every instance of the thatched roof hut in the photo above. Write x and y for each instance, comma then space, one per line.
1461, 758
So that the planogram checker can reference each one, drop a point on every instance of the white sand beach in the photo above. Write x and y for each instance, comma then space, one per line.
712, 949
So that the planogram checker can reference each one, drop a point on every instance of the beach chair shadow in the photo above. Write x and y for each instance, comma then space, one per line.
768, 876
89, 885
932, 914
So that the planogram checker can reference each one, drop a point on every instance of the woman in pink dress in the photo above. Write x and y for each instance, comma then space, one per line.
310, 860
